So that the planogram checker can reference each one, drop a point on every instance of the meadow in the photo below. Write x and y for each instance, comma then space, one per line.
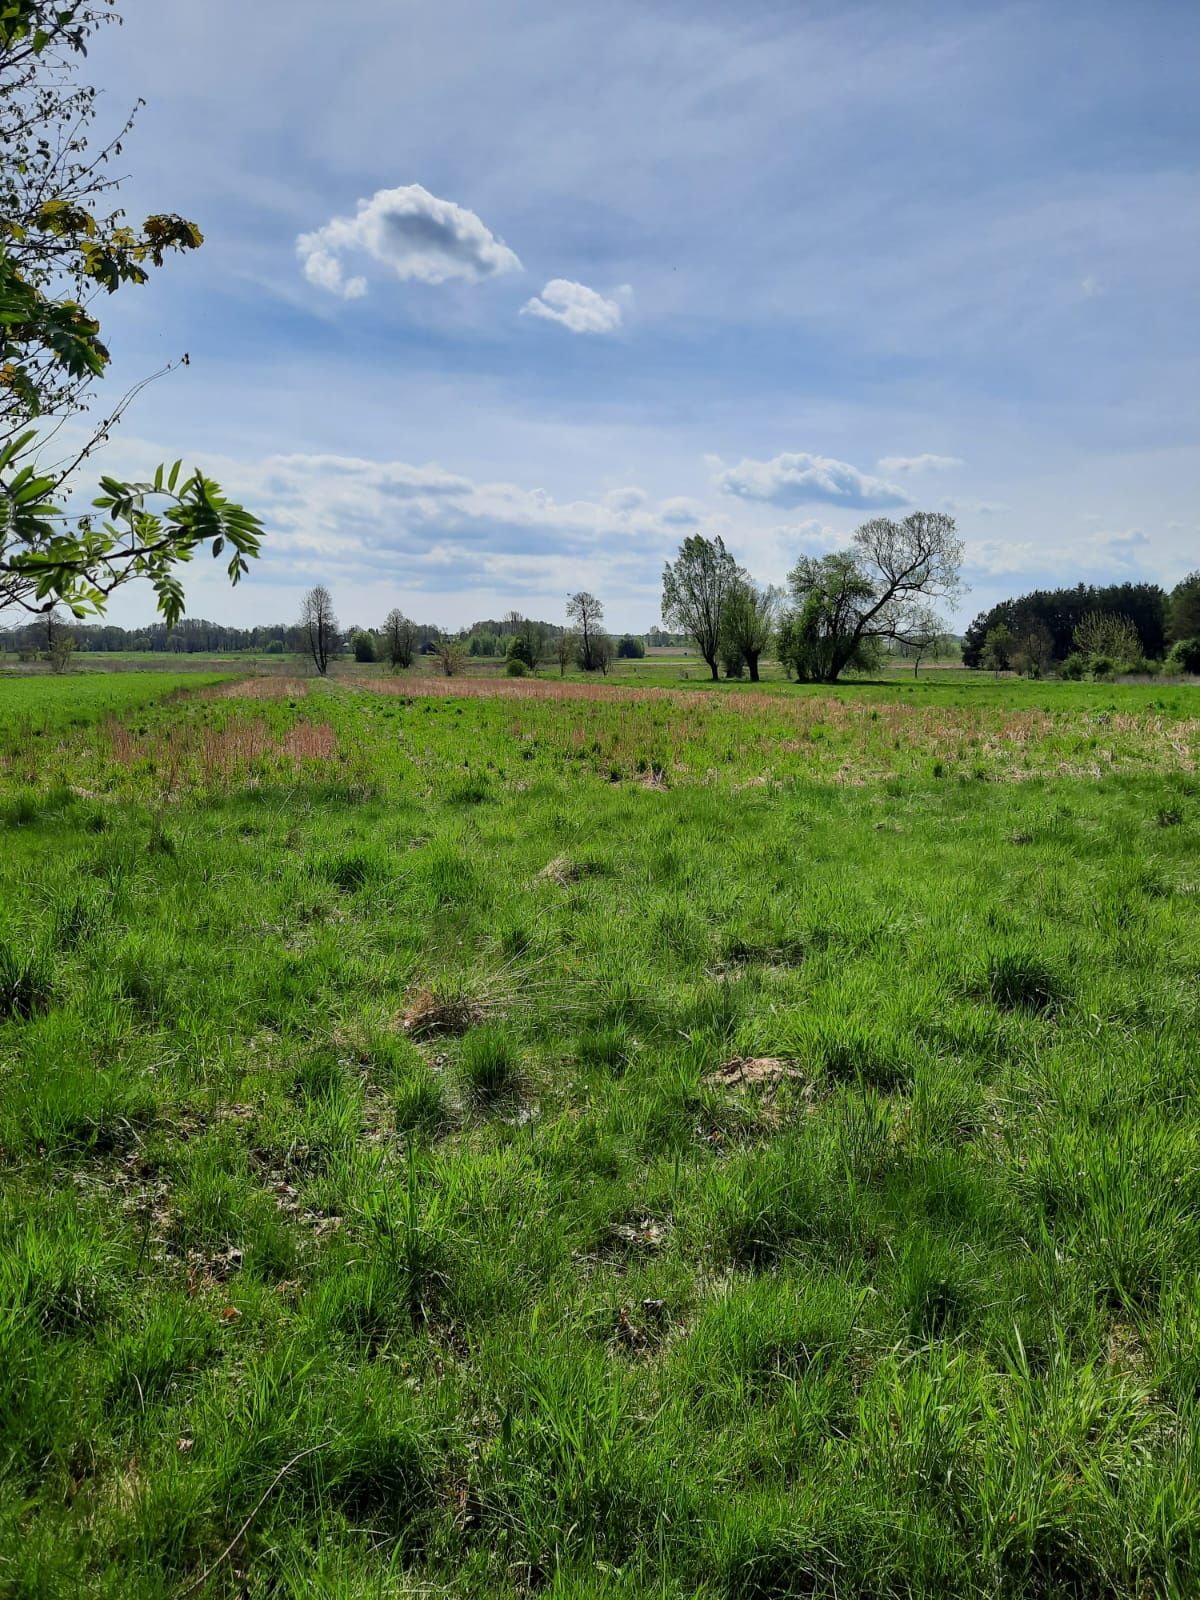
488, 1137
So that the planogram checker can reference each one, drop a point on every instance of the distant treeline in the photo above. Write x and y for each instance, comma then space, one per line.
1055, 614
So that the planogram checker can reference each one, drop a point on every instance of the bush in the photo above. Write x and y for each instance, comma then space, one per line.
1184, 656
276, 647
630, 649
519, 650
1074, 667
516, 668
364, 647
1102, 666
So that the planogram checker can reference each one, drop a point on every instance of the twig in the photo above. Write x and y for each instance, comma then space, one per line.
198, 1583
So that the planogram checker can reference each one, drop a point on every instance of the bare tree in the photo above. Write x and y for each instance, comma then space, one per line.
60, 645
695, 588
924, 636
399, 639
748, 620
586, 612
319, 626
602, 652
511, 622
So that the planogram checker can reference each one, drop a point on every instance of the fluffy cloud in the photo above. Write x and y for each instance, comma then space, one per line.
796, 478
925, 463
576, 306
438, 531
411, 232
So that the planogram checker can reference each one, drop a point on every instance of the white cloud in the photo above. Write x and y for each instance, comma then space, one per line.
812, 537
923, 463
576, 306
1091, 287
414, 234
795, 478
680, 512
629, 498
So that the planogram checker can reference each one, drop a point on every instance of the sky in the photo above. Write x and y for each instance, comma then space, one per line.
500, 302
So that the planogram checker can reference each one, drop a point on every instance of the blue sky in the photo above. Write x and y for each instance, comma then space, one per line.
502, 301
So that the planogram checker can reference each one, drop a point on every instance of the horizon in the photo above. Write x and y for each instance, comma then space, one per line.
470, 338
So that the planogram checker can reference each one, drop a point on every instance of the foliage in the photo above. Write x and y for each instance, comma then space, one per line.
801, 1207
696, 586
516, 667
1184, 656
631, 648
1074, 667
1061, 611
451, 655
364, 647
748, 622
1184, 608
320, 627
1108, 633
997, 648
847, 604
519, 650
57, 246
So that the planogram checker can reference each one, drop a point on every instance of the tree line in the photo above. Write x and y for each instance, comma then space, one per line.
1120, 626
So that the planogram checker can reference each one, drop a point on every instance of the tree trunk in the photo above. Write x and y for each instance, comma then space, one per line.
712, 667
752, 663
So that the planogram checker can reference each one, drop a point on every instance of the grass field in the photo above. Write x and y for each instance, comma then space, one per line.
479, 1139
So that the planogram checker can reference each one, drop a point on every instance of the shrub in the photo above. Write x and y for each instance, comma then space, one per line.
1074, 667
630, 649
276, 647
364, 647
519, 649
1102, 666
1184, 656
516, 668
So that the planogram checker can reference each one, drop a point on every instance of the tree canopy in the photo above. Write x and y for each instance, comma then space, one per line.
696, 586
846, 605
1060, 611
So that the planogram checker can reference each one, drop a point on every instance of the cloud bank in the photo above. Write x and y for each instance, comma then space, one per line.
796, 478
412, 233
575, 306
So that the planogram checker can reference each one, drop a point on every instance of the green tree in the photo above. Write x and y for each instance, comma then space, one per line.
364, 647
1184, 608
848, 604
696, 586
748, 621
519, 650
61, 242
998, 646
630, 648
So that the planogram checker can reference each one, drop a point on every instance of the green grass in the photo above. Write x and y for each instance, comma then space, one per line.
372, 1208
